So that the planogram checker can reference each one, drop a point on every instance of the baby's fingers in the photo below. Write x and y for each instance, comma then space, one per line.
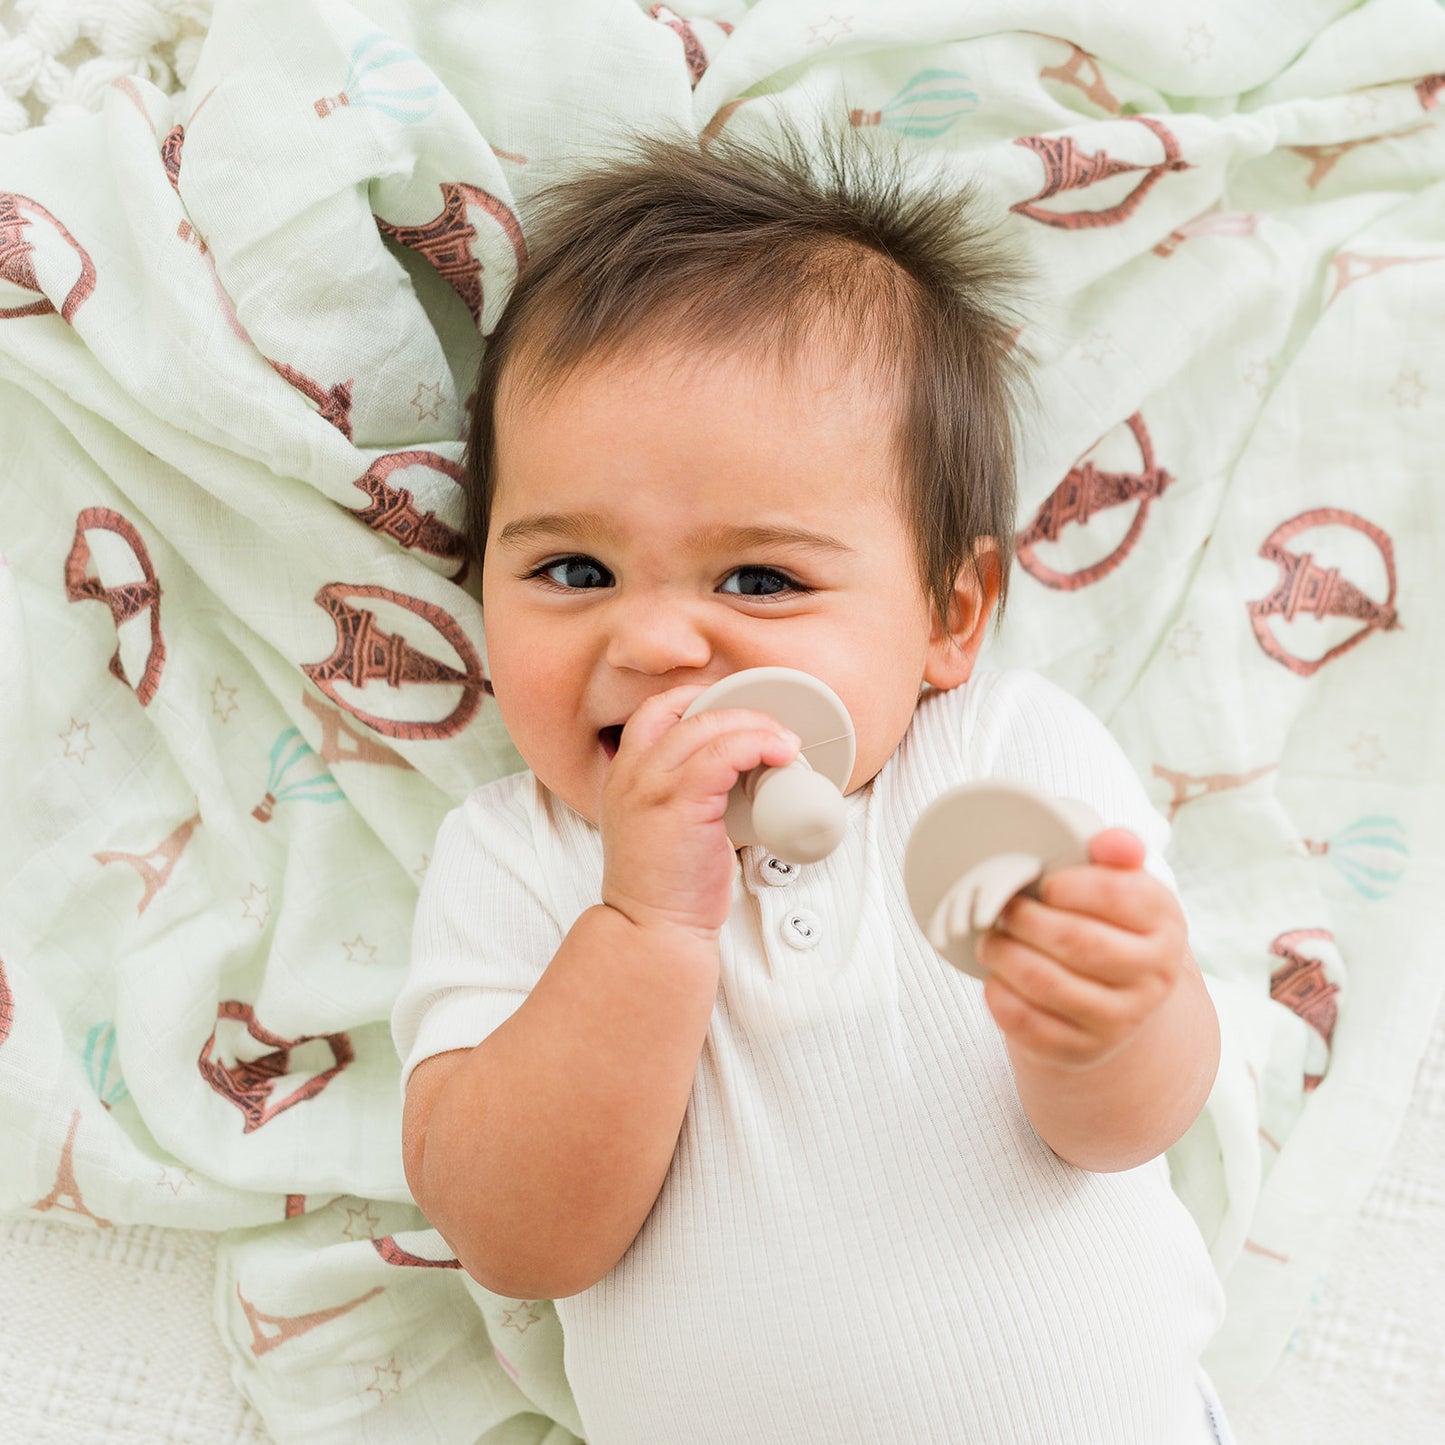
670, 742
1045, 1009
1122, 896
1117, 848
708, 753
657, 717
1085, 943
1047, 983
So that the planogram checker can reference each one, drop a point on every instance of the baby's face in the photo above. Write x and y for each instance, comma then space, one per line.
656, 523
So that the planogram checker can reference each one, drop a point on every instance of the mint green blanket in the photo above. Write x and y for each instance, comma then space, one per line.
240, 672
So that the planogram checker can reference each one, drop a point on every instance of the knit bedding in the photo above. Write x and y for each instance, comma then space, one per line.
241, 674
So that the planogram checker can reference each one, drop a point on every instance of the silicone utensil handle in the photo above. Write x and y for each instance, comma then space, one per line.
816, 713
798, 815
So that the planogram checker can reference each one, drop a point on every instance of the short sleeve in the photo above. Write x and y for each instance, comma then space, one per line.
483, 933
1021, 726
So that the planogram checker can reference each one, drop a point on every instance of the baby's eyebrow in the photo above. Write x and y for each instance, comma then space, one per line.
742, 539
584, 526
573, 526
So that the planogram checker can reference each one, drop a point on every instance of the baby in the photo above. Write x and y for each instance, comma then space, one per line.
789, 1176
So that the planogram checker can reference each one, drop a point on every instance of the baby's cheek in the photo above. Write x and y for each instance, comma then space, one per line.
880, 722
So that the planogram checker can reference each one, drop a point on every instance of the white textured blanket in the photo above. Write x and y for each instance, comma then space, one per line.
239, 683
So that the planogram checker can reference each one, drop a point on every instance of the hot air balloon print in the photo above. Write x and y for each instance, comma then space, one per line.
1370, 855
284, 784
925, 107
385, 76
101, 1066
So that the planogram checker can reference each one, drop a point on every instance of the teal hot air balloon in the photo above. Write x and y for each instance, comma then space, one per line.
1370, 855
387, 77
101, 1066
925, 107
284, 784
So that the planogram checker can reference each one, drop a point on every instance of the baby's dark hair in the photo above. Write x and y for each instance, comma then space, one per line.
738, 247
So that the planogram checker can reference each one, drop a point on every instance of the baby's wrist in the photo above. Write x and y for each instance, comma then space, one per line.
655, 930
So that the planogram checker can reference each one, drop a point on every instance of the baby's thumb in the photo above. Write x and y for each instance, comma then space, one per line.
1116, 848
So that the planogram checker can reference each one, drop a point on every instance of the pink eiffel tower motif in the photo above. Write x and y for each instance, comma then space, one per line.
1188, 787
125, 599
66, 1186
1301, 984
155, 867
1081, 71
692, 48
1085, 491
393, 512
1306, 587
333, 403
1324, 158
1067, 168
366, 653
18, 267
1350, 266
341, 743
270, 1332
1211, 223
393, 1253
7, 1005
446, 240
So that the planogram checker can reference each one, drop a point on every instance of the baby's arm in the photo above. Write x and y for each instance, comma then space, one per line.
538, 1154
1112, 1035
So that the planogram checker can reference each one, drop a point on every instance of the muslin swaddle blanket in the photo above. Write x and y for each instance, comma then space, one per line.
240, 667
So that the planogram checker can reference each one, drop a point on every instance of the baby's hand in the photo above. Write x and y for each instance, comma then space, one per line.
666, 855
1072, 978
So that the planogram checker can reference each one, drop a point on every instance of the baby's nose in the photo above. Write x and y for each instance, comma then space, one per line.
653, 636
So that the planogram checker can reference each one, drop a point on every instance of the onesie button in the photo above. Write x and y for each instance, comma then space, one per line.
802, 929
776, 872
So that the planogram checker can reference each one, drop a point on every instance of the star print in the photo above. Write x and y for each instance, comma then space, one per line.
1096, 346
223, 707
1102, 662
523, 1312
1257, 375
261, 896
354, 948
360, 1223
1199, 42
175, 1179
75, 745
419, 872
1408, 389
1368, 752
428, 401
829, 30
385, 1380
1184, 640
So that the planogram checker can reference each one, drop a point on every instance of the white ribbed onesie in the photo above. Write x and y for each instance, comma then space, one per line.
861, 1239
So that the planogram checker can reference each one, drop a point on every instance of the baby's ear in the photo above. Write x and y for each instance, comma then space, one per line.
955, 641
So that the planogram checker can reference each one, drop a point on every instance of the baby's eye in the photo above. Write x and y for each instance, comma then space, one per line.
574, 573
759, 582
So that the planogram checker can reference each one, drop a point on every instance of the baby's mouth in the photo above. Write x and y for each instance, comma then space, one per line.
610, 738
